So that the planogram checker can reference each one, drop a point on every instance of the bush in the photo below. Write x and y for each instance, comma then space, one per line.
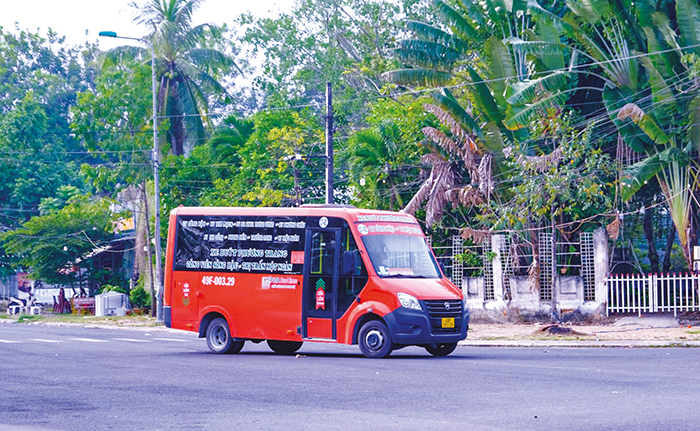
139, 297
112, 288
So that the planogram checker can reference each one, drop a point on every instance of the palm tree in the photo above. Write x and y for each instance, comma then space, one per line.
187, 70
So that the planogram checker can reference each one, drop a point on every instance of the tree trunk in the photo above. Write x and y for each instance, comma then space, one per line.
649, 233
669, 246
148, 251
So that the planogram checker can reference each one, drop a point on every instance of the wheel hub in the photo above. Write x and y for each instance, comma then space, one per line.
220, 336
374, 339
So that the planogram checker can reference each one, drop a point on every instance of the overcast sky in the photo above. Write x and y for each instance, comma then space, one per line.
72, 18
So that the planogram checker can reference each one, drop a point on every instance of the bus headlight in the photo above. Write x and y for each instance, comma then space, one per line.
409, 301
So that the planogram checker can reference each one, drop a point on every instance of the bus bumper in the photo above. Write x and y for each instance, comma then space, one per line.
167, 317
414, 327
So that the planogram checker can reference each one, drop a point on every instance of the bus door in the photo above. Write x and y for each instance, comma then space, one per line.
321, 266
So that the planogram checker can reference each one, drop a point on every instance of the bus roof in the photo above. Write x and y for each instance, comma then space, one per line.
347, 212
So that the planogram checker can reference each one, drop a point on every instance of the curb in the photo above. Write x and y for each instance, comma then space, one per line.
578, 343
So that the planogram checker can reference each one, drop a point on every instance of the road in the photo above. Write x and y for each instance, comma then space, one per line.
76, 378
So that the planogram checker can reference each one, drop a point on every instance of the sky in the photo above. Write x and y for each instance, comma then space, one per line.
72, 18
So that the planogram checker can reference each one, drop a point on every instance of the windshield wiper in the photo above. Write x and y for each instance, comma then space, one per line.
404, 276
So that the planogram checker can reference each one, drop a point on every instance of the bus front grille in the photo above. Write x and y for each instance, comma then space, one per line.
439, 309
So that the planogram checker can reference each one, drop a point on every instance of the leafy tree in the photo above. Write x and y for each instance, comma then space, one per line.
381, 159
53, 246
39, 80
33, 164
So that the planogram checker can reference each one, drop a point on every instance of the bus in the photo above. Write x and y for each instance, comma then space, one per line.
316, 273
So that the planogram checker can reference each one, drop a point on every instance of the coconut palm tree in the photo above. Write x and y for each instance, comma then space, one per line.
187, 69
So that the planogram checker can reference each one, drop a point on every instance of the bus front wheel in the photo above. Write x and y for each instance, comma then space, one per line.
219, 337
284, 347
441, 349
375, 340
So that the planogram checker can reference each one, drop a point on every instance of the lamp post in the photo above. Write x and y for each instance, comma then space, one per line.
156, 174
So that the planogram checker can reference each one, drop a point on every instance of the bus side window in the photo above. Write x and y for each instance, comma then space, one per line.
322, 248
350, 284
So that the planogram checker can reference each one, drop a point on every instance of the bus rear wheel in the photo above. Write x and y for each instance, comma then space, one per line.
374, 340
219, 337
441, 349
284, 347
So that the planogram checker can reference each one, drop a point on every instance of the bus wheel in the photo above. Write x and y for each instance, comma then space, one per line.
441, 349
219, 337
284, 347
374, 339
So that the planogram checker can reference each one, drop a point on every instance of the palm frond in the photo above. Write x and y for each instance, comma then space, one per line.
485, 175
426, 54
466, 143
121, 54
688, 18
444, 141
448, 102
590, 10
640, 118
483, 97
693, 122
528, 91
615, 98
437, 35
418, 76
500, 67
455, 20
636, 175
665, 104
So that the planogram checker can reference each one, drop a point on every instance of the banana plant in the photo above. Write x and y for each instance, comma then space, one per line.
640, 52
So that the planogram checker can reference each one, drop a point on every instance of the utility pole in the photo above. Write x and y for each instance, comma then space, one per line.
158, 282
329, 144
156, 190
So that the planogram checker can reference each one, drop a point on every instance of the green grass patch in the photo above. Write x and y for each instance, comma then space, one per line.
26, 318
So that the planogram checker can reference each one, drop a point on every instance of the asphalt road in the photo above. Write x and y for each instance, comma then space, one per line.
73, 378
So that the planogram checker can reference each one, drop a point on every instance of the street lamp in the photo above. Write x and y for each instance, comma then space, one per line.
156, 175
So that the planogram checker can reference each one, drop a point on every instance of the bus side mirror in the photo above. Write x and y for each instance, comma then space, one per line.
349, 262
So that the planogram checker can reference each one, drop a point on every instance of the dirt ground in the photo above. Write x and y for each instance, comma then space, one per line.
649, 328
538, 332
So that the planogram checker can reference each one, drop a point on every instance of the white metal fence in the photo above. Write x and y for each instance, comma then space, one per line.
652, 293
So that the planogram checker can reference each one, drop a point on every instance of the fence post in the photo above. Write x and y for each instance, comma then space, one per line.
653, 297
497, 242
457, 263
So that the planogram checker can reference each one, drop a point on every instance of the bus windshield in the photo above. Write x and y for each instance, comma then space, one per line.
398, 256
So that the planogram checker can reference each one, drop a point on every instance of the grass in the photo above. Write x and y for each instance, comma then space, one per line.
26, 318
132, 320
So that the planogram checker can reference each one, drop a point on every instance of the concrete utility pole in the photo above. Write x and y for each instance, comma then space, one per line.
329, 144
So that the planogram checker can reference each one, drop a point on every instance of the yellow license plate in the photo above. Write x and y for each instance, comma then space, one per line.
448, 322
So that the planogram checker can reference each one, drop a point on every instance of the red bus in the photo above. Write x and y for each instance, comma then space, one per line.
323, 273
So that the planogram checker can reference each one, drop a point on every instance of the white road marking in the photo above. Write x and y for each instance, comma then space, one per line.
90, 340
9, 341
172, 339
132, 340
45, 341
